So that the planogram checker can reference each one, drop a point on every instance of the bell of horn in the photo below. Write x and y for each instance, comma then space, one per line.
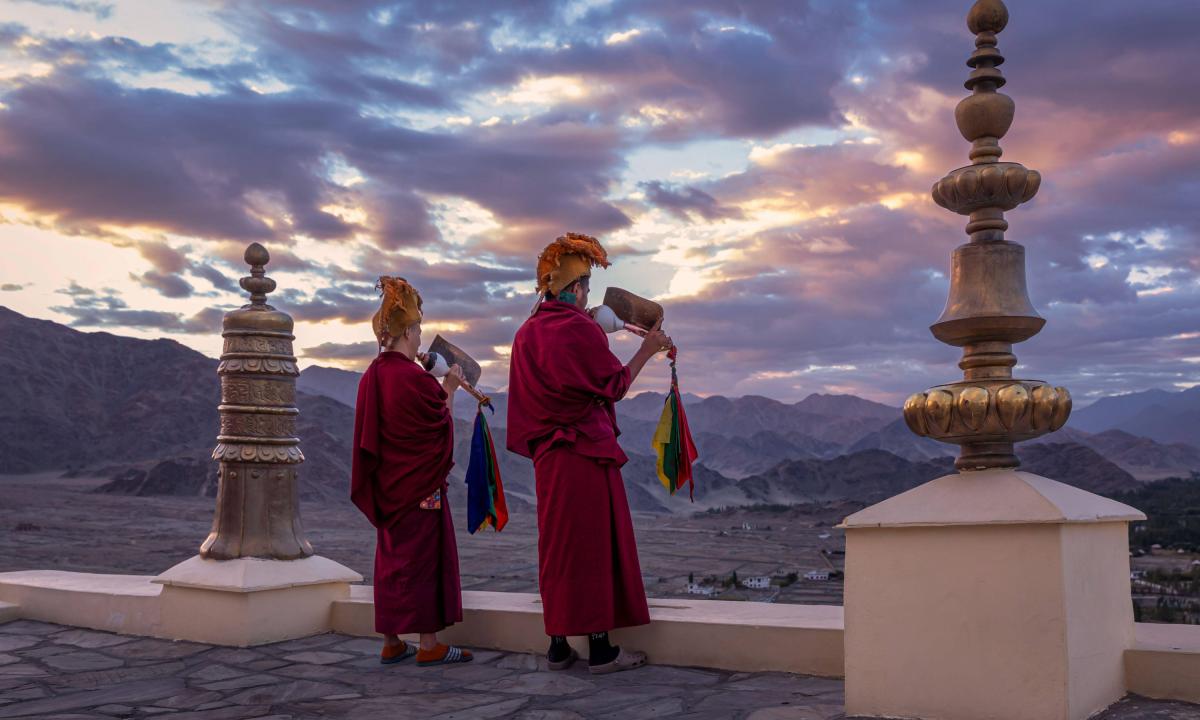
454, 355
633, 309
436, 365
608, 320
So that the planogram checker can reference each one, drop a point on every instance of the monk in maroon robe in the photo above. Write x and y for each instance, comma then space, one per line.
563, 384
403, 451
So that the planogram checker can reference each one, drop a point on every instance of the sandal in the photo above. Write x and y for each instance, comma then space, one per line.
625, 660
563, 664
393, 654
443, 655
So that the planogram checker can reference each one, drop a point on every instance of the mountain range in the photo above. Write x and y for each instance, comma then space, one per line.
143, 414
141, 411
1167, 417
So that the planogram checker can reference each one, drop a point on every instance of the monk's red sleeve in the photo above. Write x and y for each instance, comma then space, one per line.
365, 458
430, 413
601, 374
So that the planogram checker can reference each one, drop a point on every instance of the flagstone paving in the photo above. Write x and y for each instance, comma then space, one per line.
49, 671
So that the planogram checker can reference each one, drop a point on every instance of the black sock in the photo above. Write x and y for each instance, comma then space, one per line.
600, 651
559, 649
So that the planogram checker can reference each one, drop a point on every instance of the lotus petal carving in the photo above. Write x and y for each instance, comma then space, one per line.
914, 413
938, 404
1044, 401
992, 185
1062, 409
1012, 401
973, 407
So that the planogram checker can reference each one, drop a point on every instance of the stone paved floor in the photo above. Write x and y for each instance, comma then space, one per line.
50, 671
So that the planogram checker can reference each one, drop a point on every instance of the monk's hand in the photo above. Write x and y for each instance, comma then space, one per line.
453, 380
655, 340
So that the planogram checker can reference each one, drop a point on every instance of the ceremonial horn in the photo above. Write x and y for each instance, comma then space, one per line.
443, 354
610, 323
623, 310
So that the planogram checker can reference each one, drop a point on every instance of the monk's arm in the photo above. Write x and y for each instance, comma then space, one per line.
450, 400
653, 343
638, 361
602, 373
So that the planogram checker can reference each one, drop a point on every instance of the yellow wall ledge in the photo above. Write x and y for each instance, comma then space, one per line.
1164, 662
742, 636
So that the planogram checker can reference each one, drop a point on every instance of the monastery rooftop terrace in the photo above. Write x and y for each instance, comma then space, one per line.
54, 671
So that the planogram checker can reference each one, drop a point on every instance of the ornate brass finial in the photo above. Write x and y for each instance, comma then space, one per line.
988, 309
257, 284
258, 510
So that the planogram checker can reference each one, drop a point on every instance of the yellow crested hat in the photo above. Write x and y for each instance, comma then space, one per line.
567, 259
399, 308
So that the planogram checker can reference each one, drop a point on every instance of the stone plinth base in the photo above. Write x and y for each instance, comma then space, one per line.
251, 601
989, 594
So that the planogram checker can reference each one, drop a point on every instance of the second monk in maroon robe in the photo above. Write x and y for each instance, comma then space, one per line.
403, 451
563, 384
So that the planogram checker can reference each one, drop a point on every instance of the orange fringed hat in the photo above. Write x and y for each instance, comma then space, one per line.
400, 307
567, 259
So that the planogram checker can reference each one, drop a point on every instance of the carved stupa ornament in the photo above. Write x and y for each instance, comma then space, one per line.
988, 309
258, 510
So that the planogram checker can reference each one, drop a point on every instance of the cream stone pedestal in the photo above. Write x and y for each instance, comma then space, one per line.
987, 594
251, 601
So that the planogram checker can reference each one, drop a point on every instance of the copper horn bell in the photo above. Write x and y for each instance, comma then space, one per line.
636, 312
450, 354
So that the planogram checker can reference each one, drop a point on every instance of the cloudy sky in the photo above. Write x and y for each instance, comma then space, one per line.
759, 166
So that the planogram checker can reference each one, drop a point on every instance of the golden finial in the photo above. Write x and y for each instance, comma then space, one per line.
257, 284
988, 309
258, 501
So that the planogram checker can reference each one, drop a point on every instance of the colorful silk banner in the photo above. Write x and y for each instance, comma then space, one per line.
673, 440
485, 490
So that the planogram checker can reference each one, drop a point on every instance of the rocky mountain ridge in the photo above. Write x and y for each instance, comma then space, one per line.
744, 436
143, 413
1160, 415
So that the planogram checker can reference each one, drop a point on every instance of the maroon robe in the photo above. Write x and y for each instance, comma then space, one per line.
403, 451
563, 384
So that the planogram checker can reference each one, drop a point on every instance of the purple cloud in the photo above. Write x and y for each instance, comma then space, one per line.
327, 351
838, 296
90, 308
685, 202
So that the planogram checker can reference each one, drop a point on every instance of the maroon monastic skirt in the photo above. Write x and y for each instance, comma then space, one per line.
588, 570
416, 574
